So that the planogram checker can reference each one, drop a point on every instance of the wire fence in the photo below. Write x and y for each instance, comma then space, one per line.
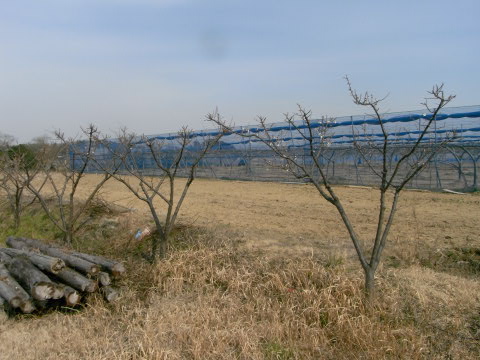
239, 156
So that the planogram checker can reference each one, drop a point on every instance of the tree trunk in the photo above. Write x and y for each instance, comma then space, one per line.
79, 264
115, 268
475, 178
15, 243
16, 219
370, 284
76, 280
18, 207
154, 247
26, 305
7, 290
43, 262
67, 237
162, 248
32, 279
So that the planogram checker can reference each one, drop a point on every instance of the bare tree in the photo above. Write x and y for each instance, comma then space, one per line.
458, 164
393, 175
41, 143
6, 141
63, 169
150, 168
458, 151
18, 168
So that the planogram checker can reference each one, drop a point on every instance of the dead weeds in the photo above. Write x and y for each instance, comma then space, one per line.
217, 297
213, 298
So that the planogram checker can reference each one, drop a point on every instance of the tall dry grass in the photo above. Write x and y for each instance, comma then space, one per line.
215, 299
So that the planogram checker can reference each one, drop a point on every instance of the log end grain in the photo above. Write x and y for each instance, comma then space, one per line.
118, 270
58, 291
104, 278
72, 297
43, 291
110, 294
15, 302
94, 269
57, 266
91, 287
27, 307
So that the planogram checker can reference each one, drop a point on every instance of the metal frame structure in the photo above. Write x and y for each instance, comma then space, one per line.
239, 156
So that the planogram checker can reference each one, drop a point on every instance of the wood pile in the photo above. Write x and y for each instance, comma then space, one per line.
35, 275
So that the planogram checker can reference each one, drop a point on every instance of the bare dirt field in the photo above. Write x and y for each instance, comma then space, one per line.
293, 217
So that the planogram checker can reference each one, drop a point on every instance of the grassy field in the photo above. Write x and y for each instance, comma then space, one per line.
267, 271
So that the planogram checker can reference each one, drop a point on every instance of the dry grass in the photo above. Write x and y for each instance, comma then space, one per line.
292, 219
246, 279
213, 298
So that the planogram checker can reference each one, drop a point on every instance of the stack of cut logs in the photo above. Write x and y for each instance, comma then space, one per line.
34, 275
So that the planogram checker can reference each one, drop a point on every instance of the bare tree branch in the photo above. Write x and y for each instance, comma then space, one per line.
393, 175
63, 170
169, 161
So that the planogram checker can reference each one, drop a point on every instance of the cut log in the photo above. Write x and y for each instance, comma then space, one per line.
26, 305
79, 264
10, 295
33, 280
117, 269
15, 243
3, 314
58, 291
4, 258
22, 276
43, 262
104, 279
77, 280
7, 291
109, 293
72, 297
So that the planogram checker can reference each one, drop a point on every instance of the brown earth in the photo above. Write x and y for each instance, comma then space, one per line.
293, 217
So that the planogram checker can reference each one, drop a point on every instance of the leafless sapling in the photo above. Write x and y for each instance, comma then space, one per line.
458, 151
150, 168
63, 171
393, 176
18, 168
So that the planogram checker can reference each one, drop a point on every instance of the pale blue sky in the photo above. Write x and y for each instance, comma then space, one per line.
154, 65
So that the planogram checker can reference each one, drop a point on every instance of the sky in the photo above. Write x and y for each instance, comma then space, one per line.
155, 65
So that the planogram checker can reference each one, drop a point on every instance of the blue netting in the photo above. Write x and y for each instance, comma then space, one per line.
242, 154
